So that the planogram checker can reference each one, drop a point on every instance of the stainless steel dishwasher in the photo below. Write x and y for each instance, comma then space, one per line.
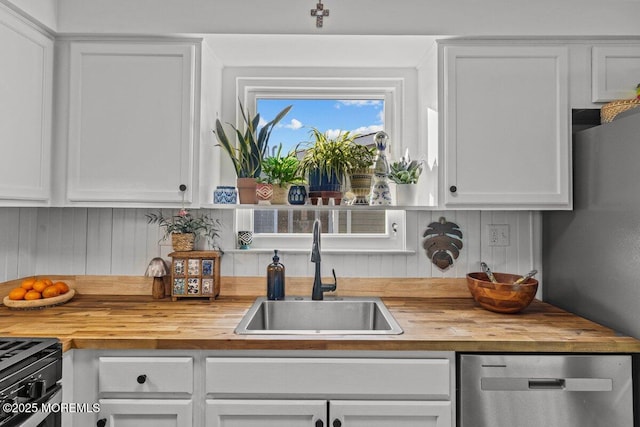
545, 390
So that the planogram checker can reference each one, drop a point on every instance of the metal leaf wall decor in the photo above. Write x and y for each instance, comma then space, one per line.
443, 243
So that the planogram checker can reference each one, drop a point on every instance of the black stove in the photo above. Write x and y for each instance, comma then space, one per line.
30, 373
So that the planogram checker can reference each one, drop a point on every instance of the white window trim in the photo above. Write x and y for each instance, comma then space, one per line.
249, 89
392, 240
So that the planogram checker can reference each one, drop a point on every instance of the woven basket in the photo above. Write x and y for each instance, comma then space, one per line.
609, 111
182, 241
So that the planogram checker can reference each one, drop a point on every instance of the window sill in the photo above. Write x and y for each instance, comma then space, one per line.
324, 251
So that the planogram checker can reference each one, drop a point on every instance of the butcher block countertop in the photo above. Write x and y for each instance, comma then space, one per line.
443, 319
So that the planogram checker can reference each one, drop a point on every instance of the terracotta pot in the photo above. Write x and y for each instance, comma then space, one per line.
247, 191
279, 195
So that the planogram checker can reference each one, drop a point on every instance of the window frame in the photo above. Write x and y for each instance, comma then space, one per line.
390, 90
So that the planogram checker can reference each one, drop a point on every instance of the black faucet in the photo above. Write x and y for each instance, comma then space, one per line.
318, 288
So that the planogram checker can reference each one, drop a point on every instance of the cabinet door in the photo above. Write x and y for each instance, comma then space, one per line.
26, 73
131, 130
615, 72
389, 413
266, 413
145, 413
505, 122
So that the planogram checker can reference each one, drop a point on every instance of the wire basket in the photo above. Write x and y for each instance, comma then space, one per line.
609, 111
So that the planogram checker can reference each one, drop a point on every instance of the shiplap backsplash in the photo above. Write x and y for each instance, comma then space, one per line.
100, 241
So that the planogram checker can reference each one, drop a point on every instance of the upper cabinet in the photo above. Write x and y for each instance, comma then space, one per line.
26, 76
504, 125
615, 72
133, 122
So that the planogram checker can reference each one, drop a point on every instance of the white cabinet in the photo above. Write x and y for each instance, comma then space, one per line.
218, 388
320, 413
26, 79
325, 391
505, 126
144, 391
133, 122
145, 413
265, 413
615, 72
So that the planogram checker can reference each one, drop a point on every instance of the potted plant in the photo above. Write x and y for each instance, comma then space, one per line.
361, 171
281, 171
248, 153
185, 229
326, 162
406, 173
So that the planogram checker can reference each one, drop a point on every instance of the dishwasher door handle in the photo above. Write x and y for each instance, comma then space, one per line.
535, 384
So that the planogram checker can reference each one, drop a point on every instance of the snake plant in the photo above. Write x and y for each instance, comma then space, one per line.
252, 144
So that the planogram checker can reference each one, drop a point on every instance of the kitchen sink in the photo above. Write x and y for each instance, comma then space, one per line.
331, 316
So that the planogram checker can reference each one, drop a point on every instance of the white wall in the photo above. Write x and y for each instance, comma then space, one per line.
463, 17
79, 241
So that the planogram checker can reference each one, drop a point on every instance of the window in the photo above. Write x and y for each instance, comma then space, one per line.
362, 107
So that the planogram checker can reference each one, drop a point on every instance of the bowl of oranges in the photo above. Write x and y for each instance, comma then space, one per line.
38, 292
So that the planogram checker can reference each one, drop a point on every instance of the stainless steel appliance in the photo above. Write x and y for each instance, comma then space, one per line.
545, 390
591, 255
30, 374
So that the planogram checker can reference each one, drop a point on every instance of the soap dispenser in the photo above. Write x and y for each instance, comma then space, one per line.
275, 278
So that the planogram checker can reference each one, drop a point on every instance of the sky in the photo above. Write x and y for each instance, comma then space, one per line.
327, 115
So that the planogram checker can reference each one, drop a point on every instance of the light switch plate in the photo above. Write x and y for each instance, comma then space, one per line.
498, 235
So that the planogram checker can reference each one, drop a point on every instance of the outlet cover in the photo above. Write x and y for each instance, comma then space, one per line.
498, 234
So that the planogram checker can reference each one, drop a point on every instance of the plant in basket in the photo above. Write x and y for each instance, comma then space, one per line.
185, 229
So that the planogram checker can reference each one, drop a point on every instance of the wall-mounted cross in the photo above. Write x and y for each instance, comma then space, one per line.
319, 12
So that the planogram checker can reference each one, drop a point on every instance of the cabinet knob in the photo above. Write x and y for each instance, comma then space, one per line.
319, 423
337, 423
102, 422
453, 188
141, 379
183, 188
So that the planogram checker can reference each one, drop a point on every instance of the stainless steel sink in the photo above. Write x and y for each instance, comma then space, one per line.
332, 316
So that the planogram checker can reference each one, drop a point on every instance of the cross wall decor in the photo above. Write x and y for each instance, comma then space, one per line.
319, 12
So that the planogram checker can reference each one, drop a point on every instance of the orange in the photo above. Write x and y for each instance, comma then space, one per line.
17, 293
48, 281
32, 295
50, 292
62, 287
28, 283
39, 285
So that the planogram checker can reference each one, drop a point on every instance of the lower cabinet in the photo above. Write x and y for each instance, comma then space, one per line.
321, 413
198, 388
145, 413
144, 391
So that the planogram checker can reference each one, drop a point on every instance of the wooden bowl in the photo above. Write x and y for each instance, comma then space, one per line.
501, 297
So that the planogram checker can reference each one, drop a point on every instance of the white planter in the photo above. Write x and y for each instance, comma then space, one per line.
406, 194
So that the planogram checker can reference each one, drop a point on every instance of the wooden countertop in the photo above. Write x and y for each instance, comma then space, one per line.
93, 321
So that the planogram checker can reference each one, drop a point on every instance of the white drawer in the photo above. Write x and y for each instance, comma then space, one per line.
145, 375
334, 378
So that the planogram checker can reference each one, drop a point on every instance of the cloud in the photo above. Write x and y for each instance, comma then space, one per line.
294, 124
359, 102
362, 130
262, 122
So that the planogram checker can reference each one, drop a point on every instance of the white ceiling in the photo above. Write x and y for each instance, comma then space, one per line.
274, 50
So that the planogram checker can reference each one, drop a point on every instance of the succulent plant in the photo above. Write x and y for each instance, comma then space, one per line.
405, 171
